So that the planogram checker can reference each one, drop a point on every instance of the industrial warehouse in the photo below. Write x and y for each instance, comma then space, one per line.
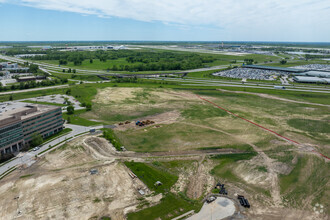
20, 121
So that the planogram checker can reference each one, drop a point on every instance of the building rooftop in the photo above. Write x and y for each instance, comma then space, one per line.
24, 110
311, 79
285, 69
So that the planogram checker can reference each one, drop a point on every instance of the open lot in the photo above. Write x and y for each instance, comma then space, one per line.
278, 177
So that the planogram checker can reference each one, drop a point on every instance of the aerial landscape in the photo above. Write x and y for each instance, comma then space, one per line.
163, 110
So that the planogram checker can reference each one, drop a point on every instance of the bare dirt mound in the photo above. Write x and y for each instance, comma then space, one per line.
99, 148
201, 181
111, 94
60, 185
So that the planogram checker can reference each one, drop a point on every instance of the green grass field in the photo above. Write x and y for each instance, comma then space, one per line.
150, 175
171, 205
310, 176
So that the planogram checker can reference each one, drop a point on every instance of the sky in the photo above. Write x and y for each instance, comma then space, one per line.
165, 20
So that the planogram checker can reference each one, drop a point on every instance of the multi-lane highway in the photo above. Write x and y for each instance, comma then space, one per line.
51, 68
224, 83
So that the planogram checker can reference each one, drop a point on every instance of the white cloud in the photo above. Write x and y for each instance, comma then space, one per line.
228, 14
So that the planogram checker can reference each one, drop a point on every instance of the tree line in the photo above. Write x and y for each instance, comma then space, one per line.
33, 84
138, 60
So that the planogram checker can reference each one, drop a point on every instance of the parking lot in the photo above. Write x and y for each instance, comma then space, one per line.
219, 209
247, 73
56, 99
314, 67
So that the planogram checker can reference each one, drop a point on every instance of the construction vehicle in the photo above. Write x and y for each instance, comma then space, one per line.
210, 199
243, 201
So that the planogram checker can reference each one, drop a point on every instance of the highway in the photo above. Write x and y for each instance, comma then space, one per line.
207, 82
185, 81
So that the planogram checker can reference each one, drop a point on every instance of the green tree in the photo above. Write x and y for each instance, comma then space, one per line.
69, 120
88, 106
63, 70
33, 68
69, 70
36, 140
114, 68
283, 62
70, 109
11, 98
91, 61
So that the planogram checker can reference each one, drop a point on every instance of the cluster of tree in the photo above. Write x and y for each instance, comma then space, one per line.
309, 56
62, 62
248, 61
16, 51
110, 136
88, 106
70, 110
283, 62
33, 84
33, 68
36, 140
145, 60
159, 66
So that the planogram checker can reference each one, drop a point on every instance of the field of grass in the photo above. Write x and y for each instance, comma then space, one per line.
319, 126
150, 175
78, 120
171, 205
310, 177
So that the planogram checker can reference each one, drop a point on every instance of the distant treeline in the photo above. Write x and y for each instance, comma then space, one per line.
137, 60
309, 56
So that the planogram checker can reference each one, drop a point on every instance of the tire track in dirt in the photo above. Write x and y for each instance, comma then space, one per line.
275, 190
266, 129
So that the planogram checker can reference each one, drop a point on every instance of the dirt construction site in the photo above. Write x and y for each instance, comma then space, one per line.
192, 139
61, 185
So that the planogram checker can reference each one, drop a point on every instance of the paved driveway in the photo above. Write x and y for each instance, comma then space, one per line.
219, 209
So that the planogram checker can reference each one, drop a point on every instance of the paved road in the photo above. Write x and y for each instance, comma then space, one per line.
28, 157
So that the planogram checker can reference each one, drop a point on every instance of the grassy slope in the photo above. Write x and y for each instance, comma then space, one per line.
309, 180
171, 205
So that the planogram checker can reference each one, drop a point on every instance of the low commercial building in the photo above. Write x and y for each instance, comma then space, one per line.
20, 121
309, 79
8, 65
321, 74
283, 69
30, 78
